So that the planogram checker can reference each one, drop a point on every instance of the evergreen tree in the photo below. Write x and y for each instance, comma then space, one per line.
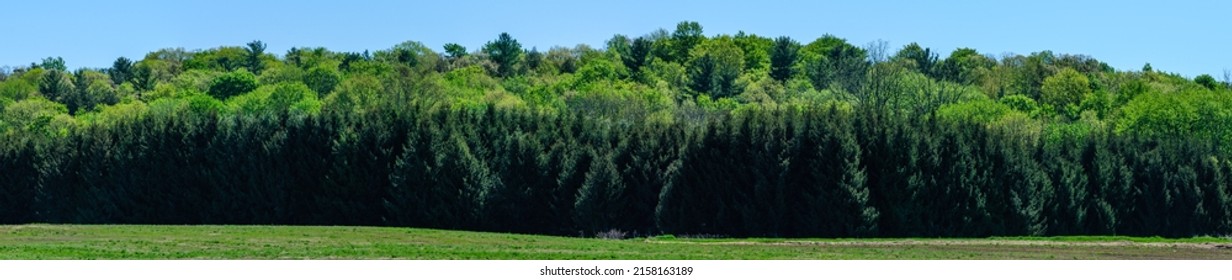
505, 52
783, 58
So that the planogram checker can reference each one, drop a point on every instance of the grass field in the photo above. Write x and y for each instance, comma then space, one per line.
299, 242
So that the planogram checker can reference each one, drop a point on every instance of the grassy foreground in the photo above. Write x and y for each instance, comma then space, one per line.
300, 242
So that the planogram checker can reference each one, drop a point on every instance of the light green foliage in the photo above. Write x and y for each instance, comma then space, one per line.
756, 51
98, 91
618, 100
1124, 86
1196, 113
110, 115
33, 116
1099, 102
202, 103
1065, 89
680, 65
187, 104
354, 95
673, 74
281, 73
1073, 132
720, 104
597, 72
471, 87
469, 83
127, 92
585, 54
17, 89
542, 92
4, 125
163, 64
166, 91
1021, 103
761, 88
293, 98
982, 111
232, 84
800, 90
322, 79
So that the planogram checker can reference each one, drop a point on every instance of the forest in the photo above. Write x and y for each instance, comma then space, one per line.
671, 132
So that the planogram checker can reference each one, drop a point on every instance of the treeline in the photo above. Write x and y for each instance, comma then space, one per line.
668, 132
816, 172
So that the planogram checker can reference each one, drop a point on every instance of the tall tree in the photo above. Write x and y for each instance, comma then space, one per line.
688, 34
636, 57
455, 51
964, 66
918, 58
255, 50
714, 66
783, 58
534, 59
54, 63
121, 70
831, 60
601, 198
505, 52
143, 77
56, 85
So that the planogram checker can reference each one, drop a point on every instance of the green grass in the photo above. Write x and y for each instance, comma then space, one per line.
299, 242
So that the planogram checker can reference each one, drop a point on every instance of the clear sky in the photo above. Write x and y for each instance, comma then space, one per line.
1186, 37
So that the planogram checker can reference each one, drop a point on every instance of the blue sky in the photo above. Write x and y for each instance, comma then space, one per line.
1187, 37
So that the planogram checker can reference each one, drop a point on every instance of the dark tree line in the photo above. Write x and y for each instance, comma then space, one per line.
787, 172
